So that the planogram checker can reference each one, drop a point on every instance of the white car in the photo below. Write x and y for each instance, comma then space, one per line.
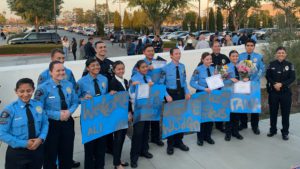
89, 32
174, 35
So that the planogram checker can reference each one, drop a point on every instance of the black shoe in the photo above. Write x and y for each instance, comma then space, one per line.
200, 142
147, 155
242, 127
170, 150
182, 147
159, 143
238, 136
256, 131
125, 164
133, 165
227, 137
271, 134
210, 141
75, 164
285, 137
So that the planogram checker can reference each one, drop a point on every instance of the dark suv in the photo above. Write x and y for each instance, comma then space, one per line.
41, 37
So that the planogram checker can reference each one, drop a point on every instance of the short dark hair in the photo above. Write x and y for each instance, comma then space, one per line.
250, 41
24, 81
139, 63
116, 63
147, 46
56, 50
204, 55
90, 61
52, 64
281, 48
90, 38
172, 50
98, 42
232, 52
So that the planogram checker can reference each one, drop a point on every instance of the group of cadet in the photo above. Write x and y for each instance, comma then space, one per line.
40, 131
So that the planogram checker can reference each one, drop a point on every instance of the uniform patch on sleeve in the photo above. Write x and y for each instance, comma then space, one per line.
4, 117
196, 72
38, 94
40, 79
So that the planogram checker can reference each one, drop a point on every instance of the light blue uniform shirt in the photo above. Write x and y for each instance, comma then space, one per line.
14, 123
257, 60
198, 80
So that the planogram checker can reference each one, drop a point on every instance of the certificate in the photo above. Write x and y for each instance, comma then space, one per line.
143, 91
158, 64
214, 82
242, 87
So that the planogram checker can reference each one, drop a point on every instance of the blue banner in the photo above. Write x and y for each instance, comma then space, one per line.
155, 75
181, 116
150, 109
103, 115
247, 103
215, 105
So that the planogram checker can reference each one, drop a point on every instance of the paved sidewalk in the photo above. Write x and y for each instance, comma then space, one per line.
254, 152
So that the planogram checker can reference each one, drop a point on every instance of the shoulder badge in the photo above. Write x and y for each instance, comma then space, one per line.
38, 94
4, 115
40, 79
196, 72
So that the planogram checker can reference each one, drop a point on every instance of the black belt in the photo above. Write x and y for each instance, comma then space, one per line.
175, 91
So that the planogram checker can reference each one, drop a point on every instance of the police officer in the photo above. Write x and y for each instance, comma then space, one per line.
59, 101
257, 60
218, 59
173, 75
24, 127
91, 85
107, 71
280, 75
58, 55
198, 81
140, 136
148, 52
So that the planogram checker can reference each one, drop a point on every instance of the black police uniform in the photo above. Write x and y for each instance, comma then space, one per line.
280, 72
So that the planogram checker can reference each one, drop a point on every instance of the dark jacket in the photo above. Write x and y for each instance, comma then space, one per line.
89, 50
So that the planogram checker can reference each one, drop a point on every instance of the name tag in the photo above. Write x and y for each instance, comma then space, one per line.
18, 118
51, 97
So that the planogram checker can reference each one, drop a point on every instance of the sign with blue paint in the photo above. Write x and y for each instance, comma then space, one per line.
247, 103
103, 115
181, 116
155, 75
149, 109
215, 105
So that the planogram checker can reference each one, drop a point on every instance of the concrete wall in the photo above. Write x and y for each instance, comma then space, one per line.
10, 75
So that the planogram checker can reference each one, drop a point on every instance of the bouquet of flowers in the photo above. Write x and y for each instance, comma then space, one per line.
246, 68
222, 70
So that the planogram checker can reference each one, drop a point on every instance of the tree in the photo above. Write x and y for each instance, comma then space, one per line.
199, 23
289, 7
126, 21
78, 15
230, 22
219, 20
117, 21
100, 26
211, 21
204, 19
35, 11
189, 21
2, 19
67, 17
254, 21
158, 10
89, 17
141, 21
238, 9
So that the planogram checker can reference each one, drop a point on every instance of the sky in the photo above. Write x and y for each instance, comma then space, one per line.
85, 4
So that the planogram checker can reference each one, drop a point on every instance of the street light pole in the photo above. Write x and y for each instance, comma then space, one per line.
54, 8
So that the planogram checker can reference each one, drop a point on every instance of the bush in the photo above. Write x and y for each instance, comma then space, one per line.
170, 44
28, 48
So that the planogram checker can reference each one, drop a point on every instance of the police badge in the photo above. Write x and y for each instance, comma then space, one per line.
223, 61
103, 85
39, 109
255, 60
287, 68
69, 90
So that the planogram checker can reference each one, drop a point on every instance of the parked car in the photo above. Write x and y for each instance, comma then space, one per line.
89, 32
174, 35
248, 31
41, 37
165, 35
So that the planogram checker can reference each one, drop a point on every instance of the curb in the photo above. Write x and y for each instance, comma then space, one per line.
32, 54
